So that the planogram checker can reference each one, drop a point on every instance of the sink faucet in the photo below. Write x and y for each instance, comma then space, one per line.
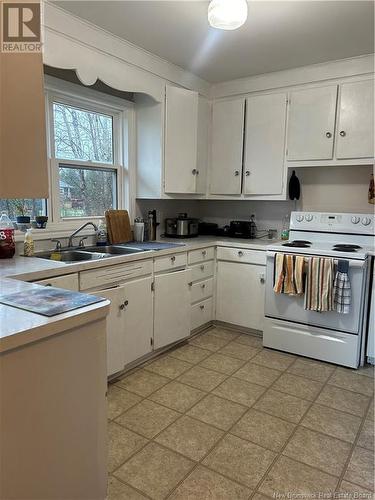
70, 241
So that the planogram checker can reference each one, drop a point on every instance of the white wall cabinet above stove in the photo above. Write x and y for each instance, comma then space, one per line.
331, 124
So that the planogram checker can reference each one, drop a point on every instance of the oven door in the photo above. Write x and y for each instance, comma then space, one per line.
291, 308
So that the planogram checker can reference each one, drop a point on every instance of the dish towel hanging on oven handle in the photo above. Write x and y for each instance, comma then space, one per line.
288, 274
319, 284
342, 292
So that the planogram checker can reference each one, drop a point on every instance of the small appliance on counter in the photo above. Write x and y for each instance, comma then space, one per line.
242, 229
181, 227
208, 228
152, 225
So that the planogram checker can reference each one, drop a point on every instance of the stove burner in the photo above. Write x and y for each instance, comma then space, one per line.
346, 246
297, 244
345, 249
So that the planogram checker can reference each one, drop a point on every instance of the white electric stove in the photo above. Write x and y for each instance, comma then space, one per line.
328, 336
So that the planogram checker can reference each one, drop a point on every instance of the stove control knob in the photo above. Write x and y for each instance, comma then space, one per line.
366, 221
299, 218
355, 219
309, 217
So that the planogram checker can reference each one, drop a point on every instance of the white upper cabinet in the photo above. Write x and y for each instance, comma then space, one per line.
355, 129
265, 144
312, 123
227, 147
180, 147
203, 145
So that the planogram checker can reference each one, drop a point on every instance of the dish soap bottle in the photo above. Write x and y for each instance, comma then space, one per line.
101, 234
29, 244
7, 244
285, 229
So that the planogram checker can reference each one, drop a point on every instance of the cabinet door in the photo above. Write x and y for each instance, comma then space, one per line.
227, 147
203, 142
138, 319
68, 282
171, 307
265, 144
180, 155
355, 131
240, 294
115, 328
312, 123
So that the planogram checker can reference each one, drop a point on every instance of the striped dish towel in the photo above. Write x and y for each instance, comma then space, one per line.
319, 285
342, 292
288, 274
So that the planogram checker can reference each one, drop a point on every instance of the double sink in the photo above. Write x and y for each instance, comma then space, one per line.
81, 254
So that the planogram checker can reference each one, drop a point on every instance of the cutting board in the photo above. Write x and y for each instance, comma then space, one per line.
118, 226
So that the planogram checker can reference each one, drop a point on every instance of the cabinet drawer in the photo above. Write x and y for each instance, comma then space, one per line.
202, 271
114, 274
171, 261
202, 290
242, 255
68, 282
201, 255
201, 313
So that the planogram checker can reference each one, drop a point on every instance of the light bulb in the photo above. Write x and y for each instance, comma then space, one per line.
227, 14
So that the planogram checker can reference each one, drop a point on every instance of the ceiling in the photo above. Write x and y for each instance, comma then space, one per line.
278, 35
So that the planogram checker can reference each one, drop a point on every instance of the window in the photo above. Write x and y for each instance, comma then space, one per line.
19, 206
87, 166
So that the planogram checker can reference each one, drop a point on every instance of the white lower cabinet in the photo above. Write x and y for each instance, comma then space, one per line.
68, 282
129, 323
201, 313
171, 307
240, 294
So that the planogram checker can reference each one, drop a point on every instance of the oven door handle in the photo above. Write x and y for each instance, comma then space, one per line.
352, 263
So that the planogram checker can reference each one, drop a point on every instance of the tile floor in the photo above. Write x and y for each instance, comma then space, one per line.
222, 418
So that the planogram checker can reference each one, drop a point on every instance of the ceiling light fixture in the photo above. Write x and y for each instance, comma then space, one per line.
227, 14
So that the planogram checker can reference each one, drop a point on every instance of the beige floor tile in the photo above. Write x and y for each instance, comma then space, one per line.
208, 341
343, 400
222, 364
189, 353
122, 443
239, 391
282, 405
224, 334
367, 371
332, 422
120, 491
274, 359
251, 340
147, 418
204, 484
265, 430
217, 411
355, 492
190, 437
120, 400
298, 386
366, 437
201, 378
290, 478
313, 370
168, 367
361, 468
370, 412
177, 396
257, 374
155, 471
239, 351
143, 382
259, 496
318, 450
348, 379
240, 460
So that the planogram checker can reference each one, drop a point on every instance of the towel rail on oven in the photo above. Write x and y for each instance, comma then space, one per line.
352, 262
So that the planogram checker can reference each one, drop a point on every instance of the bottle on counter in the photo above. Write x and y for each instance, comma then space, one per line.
7, 243
101, 234
285, 228
28, 247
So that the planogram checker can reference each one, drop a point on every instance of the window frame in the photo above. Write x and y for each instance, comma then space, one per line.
122, 113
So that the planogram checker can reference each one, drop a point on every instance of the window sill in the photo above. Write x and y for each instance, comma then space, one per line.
54, 231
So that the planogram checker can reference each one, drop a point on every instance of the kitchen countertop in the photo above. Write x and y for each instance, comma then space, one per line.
20, 327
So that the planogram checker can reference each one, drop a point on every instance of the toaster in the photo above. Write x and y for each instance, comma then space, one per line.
242, 229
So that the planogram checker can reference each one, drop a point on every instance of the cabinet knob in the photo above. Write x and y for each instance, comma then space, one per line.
194, 171
240, 253
122, 307
201, 307
236, 173
342, 133
328, 135
204, 253
203, 286
126, 303
202, 268
48, 284
262, 278
247, 173
173, 258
